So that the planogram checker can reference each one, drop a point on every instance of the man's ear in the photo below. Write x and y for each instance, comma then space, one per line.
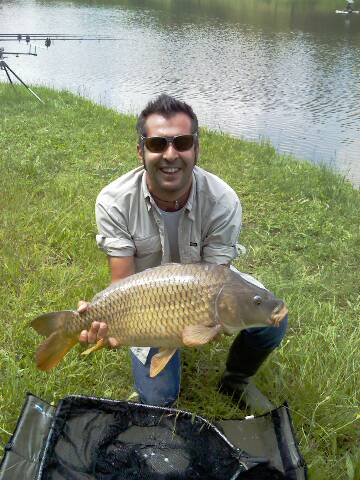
140, 152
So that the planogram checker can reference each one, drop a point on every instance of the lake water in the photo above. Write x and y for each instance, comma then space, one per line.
287, 71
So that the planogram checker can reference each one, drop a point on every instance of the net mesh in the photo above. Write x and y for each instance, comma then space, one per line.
112, 440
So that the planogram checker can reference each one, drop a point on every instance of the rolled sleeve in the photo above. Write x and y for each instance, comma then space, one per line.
113, 236
220, 243
219, 254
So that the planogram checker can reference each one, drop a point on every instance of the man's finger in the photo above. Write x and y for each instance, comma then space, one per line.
82, 306
93, 332
113, 343
83, 337
102, 332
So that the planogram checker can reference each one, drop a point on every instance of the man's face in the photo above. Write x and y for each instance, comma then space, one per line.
169, 174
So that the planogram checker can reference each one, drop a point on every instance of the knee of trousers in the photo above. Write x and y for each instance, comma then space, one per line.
159, 398
162, 390
266, 337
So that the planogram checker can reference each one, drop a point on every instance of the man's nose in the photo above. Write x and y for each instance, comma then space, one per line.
170, 153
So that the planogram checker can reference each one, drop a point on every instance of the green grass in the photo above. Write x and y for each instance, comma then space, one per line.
301, 230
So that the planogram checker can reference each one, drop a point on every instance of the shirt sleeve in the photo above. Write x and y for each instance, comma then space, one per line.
113, 235
220, 243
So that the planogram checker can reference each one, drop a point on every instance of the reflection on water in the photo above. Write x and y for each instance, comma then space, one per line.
282, 70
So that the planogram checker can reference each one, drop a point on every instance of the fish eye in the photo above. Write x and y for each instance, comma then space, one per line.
257, 300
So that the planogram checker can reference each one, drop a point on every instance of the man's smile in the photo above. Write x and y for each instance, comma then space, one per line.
170, 170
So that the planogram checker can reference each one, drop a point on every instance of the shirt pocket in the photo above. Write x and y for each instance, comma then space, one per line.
194, 250
147, 246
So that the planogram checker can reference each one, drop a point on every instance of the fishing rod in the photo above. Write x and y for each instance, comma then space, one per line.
4, 66
20, 36
49, 38
36, 37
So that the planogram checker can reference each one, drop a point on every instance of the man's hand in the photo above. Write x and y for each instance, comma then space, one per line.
98, 331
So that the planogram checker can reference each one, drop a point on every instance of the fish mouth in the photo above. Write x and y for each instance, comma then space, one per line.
278, 314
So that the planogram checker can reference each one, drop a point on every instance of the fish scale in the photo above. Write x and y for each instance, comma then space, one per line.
156, 305
169, 306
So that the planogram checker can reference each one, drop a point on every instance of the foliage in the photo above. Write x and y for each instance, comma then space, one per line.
301, 231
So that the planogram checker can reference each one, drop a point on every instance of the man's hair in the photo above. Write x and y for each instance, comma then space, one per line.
166, 106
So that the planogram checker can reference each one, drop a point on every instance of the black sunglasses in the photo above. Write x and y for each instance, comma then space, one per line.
159, 144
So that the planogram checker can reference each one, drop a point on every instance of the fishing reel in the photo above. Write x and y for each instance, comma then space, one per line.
27, 39
48, 40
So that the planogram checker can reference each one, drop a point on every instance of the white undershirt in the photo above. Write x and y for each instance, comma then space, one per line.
171, 221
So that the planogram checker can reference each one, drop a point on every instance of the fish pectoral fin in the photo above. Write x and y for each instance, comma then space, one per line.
160, 360
195, 335
98, 346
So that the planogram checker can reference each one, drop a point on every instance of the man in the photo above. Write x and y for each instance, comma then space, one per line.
170, 210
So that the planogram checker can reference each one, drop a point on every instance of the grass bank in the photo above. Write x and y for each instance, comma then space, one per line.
301, 230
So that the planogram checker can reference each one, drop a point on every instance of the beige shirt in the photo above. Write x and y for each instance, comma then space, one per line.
130, 223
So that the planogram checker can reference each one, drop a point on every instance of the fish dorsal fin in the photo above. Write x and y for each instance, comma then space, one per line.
160, 360
194, 335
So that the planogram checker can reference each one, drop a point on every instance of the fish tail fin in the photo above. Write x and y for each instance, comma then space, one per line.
53, 349
49, 323
58, 343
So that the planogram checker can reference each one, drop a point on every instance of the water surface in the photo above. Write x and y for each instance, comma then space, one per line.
276, 69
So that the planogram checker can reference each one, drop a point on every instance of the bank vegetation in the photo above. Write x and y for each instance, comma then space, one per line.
302, 234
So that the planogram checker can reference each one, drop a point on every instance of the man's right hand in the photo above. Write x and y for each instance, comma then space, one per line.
98, 330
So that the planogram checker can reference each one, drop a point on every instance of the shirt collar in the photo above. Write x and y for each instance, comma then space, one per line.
148, 198
150, 201
191, 199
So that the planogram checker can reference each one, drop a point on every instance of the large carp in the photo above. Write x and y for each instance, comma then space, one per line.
169, 306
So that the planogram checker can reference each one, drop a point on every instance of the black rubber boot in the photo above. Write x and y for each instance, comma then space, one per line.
242, 363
